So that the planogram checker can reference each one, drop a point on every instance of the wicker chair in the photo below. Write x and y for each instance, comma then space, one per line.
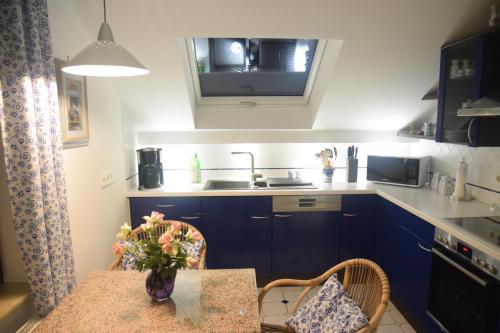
161, 227
365, 281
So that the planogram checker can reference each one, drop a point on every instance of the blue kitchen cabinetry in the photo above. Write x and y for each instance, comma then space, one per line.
186, 209
238, 231
358, 226
469, 72
404, 243
305, 244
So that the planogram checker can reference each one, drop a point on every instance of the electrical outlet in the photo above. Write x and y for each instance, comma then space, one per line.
106, 179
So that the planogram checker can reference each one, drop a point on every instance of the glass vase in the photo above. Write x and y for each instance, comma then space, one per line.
159, 289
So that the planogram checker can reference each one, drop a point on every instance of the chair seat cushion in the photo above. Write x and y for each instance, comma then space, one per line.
331, 310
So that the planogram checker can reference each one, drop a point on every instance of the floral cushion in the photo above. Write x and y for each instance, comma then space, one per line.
128, 259
332, 310
193, 250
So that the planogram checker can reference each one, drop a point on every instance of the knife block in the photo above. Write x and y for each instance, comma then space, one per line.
351, 170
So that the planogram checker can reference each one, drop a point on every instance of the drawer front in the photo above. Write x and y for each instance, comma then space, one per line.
236, 205
172, 207
360, 204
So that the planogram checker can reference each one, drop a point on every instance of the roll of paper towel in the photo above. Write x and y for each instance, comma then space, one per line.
460, 180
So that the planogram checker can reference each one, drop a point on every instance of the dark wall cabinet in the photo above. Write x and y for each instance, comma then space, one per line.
358, 227
469, 71
305, 243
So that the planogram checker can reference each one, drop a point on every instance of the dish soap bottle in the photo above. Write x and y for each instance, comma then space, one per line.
195, 170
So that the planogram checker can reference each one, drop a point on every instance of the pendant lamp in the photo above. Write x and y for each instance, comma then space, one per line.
104, 57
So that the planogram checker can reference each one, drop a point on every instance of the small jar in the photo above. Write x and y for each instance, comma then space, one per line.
455, 69
494, 17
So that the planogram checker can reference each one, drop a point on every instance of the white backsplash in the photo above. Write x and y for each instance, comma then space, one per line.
271, 159
275, 159
484, 164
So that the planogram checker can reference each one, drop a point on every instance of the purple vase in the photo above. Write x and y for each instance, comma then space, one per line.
159, 289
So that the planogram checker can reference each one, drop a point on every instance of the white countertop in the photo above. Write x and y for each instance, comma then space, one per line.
425, 203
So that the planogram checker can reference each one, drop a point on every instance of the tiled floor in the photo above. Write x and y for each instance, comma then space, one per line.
278, 303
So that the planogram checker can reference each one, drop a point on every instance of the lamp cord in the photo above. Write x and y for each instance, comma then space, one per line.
104, 2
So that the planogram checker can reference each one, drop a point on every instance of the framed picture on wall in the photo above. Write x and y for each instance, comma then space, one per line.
72, 90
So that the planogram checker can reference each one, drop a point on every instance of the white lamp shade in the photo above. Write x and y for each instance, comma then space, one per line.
104, 58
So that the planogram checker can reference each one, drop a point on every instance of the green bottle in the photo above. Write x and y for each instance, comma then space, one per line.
195, 169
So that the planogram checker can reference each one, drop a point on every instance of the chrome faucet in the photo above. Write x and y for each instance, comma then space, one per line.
254, 175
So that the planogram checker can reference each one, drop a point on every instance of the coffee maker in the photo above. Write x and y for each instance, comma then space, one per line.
150, 168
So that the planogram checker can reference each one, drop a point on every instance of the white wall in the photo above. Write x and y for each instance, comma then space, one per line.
95, 213
129, 142
389, 58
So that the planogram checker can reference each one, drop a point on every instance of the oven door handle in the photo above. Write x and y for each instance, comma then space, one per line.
459, 267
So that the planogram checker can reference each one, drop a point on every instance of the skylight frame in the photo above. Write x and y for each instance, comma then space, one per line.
253, 101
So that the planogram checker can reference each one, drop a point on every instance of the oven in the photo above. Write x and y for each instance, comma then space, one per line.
464, 295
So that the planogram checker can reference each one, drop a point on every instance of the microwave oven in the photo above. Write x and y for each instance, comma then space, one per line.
404, 171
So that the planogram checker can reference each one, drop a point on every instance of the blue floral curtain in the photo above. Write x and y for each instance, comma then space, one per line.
29, 125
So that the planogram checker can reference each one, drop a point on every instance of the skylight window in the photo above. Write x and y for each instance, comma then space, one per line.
240, 70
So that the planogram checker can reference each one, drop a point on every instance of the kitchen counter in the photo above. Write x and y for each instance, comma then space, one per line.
425, 203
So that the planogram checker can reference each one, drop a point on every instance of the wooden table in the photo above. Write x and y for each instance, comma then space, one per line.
202, 301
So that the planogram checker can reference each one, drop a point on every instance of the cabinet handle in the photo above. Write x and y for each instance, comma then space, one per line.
190, 217
468, 130
350, 215
165, 206
260, 217
423, 247
281, 216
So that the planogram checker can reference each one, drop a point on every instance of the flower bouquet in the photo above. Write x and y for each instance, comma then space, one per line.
161, 252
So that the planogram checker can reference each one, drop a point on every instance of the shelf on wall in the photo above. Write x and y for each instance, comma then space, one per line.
416, 136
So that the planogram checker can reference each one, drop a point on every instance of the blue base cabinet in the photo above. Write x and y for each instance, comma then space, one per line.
305, 243
358, 227
238, 231
403, 251
239, 241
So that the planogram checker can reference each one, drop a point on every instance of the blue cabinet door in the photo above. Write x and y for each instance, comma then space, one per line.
358, 227
305, 243
239, 241
386, 220
403, 245
411, 279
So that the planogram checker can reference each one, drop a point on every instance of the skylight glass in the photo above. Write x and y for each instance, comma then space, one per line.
253, 66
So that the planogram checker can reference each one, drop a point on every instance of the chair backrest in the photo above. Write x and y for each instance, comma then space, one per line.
365, 281
368, 285
161, 227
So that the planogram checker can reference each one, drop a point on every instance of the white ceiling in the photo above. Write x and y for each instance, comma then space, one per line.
389, 58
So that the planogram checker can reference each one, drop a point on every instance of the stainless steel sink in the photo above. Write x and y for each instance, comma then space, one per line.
218, 184
227, 185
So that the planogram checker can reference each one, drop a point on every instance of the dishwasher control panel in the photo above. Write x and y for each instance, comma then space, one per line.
307, 203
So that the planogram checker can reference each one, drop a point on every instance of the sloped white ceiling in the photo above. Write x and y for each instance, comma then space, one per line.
389, 59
